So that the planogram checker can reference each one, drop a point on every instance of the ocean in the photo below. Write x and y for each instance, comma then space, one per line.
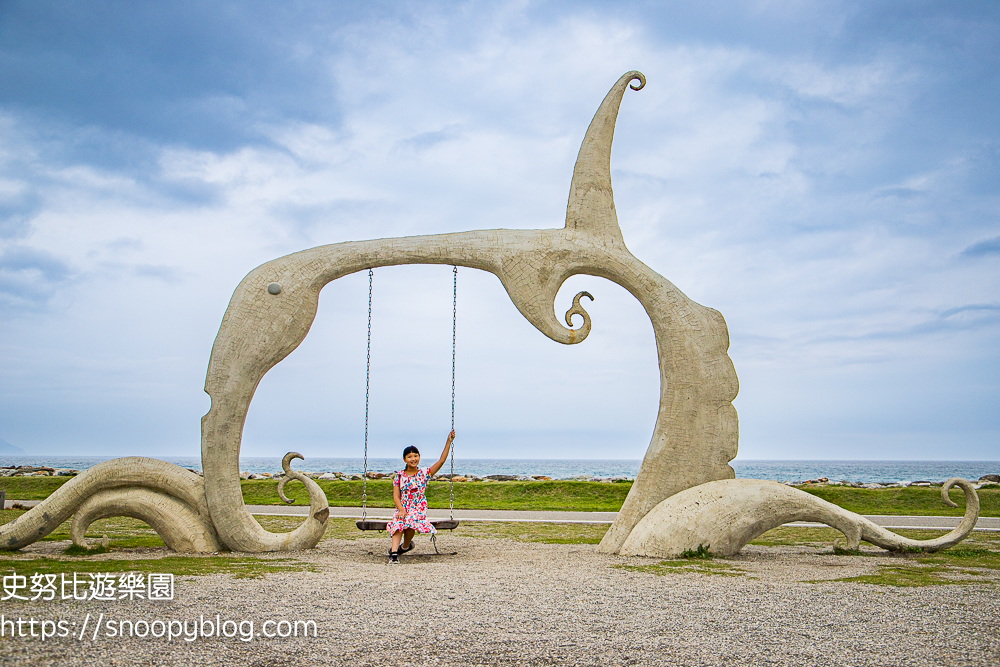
782, 471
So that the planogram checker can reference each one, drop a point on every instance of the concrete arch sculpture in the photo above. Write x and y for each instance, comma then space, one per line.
273, 308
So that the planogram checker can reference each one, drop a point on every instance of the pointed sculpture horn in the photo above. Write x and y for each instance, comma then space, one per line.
591, 206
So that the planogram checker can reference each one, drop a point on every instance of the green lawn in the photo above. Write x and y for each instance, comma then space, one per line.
544, 495
31, 488
910, 500
553, 495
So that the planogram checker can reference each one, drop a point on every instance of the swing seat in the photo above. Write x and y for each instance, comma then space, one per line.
380, 524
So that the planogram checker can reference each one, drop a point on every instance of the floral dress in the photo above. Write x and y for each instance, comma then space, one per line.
412, 494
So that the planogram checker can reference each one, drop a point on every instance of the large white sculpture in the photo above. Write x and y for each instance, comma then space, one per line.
722, 517
273, 308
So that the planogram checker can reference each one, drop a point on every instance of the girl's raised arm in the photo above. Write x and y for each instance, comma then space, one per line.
433, 470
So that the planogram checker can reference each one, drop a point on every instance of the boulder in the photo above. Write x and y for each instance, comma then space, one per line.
328, 476
986, 479
502, 478
540, 478
29, 471
371, 474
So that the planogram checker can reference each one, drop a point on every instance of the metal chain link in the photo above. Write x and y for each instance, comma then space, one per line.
368, 377
454, 328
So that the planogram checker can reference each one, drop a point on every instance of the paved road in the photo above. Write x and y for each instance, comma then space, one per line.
991, 524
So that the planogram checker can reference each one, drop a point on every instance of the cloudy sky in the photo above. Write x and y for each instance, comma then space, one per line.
826, 174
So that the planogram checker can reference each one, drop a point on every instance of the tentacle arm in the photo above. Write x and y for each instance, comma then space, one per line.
725, 515
181, 528
317, 498
886, 539
184, 487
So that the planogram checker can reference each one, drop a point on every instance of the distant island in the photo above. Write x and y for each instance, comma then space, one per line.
7, 448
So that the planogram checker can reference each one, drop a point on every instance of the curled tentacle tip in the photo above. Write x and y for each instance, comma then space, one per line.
946, 487
281, 490
637, 76
286, 462
577, 309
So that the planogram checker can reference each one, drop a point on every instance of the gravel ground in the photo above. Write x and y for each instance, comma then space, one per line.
500, 602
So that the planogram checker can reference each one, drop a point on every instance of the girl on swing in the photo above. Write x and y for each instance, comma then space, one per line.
409, 494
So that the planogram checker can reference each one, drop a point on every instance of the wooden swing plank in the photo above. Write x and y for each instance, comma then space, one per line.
380, 524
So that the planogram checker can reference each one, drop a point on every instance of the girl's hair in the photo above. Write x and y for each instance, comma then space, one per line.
410, 450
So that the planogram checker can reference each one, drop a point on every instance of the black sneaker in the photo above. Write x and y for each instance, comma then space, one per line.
393, 559
403, 550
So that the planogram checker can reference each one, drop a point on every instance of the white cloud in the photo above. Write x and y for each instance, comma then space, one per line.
749, 178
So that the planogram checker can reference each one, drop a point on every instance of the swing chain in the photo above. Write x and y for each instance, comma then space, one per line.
454, 326
368, 376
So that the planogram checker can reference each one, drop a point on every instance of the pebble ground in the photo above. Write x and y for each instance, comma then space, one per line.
499, 602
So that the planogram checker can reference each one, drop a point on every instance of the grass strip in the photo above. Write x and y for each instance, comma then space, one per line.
913, 576
688, 566
543, 495
909, 500
969, 562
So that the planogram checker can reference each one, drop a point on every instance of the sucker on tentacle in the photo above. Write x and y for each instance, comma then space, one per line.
723, 516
